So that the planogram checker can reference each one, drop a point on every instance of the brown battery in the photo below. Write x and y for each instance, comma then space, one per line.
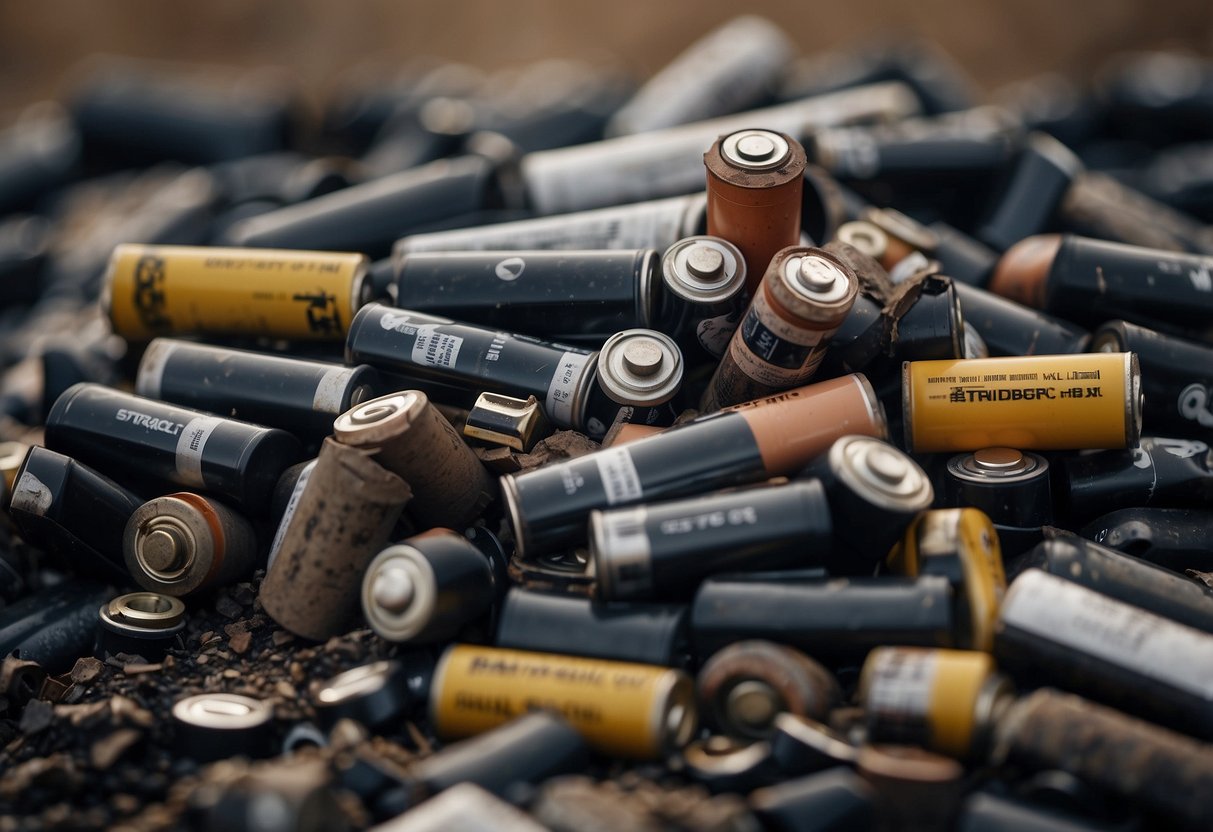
755, 188
410, 438
343, 519
804, 297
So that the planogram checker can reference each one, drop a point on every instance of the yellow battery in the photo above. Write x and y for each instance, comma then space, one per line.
629, 710
193, 290
945, 700
1042, 402
962, 545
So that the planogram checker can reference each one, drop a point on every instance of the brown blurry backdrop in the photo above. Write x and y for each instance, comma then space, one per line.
996, 40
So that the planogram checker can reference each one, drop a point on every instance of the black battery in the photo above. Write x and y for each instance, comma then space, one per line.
575, 297
1174, 538
703, 294
1010, 328
1012, 487
838, 619
53, 626
296, 395
1176, 378
961, 257
838, 794
663, 550
626, 632
147, 439
1173, 473
932, 327
144, 624
1033, 192
72, 512
1123, 577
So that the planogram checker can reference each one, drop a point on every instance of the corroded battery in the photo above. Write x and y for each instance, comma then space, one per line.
183, 542
755, 185
629, 710
344, 516
576, 297
461, 361
771, 437
184, 290
145, 438
429, 588
663, 550
705, 296
409, 437
298, 396
803, 299
1044, 402
639, 372
945, 700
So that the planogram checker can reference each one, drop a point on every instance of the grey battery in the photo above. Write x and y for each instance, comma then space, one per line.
704, 280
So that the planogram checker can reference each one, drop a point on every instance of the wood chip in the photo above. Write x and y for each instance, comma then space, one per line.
240, 642
281, 637
86, 670
106, 751
136, 669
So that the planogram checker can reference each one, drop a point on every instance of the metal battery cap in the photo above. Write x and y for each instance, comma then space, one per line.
399, 593
880, 472
755, 149
143, 614
169, 546
640, 367
1006, 465
753, 704
675, 717
816, 278
703, 270
372, 694
863, 236
377, 411
222, 711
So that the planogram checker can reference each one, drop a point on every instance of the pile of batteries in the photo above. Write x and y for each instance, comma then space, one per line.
828, 492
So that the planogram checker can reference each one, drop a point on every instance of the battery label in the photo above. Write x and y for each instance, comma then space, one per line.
899, 686
31, 495
1120, 634
291, 505
191, 443
435, 349
330, 392
561, 393
151, 369
714, 333
620, 481
772, 351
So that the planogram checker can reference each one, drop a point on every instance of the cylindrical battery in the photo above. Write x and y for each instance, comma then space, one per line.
299, 396
704, 279
1044, 172
961, 257
183, 290
54, 626
1173, 538
70, 511
639, 370
567, 296
755, 185
409, 437
1123, 577
1054, 631
1176, 377
770, 437
473, 360
549, 623
182, 543
428, 588
1100, 205
213, 726
929, 322
1012, 487
800, 805
1009, 328
804, 296
144, 624
1158, 472
1044, 402
656, 224
874, 491
747, 684
842, 618
663, 550
146, 438
344, 517
944, 700
1115, 752
620, 708
985, 811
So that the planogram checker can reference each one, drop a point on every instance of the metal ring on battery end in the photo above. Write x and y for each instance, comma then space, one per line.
143, 613
675, 718
370, 414
605, 567
880, 472
647, 288
579, 401
222, 712
907, 407
680, 280
875, 409
170, 546
399, 592
358, 288
635, 385
993, 699
864, 237
509, 496
370, 694
1134, 401
755, 149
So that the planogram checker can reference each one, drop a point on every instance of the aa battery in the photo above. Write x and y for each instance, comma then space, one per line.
506, 420
428, 588
549, 623
747, 684
375, 695
145, 438
704, 280
473, 359
299, 396
1176, 377
630, 710
755, 187
576, 297
803, 299
1123, 577
144, 624
656, 224
1012, 487
945, 700
53, 626
344, 516
1009, 328
1173, 538
409, 437
183, 290
1044, 402
214, 726
874, 491
663, 550
1099, 205
639, 374
1054, 631
1115, 752
842, 618
183, 543
770, 437
69, 510
1045, 170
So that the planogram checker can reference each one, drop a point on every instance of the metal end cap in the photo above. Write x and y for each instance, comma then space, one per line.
399, 593
755, 149
640, 367
881, 473
222, 712
686, 269
143, 613
169, 546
